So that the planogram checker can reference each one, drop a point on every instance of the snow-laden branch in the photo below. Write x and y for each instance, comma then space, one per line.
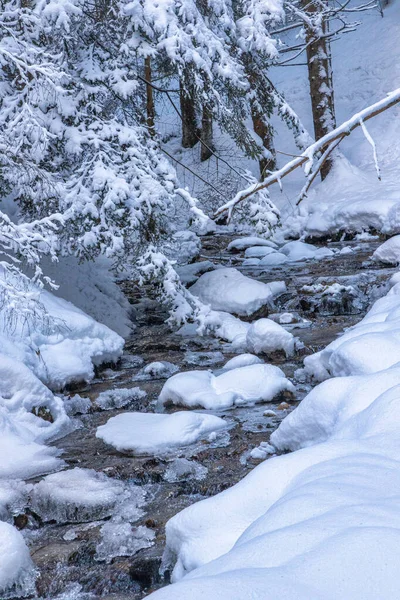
313, 152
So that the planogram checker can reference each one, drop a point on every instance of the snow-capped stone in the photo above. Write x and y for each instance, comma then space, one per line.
242, 360
149, 433
300, 251
388, 252
17, 571
273, 260
230, 291
258, 251
266, 336
244, 385
246, 242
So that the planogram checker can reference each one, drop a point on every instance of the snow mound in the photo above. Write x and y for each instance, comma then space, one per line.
17, 571
149, 433
266, 336
258, 251
111, 399
231, 329
370, 346
388, 252
244, 385
243, 360
300, 251
229, 291
246, 242
273, 260
76, 496
13, 498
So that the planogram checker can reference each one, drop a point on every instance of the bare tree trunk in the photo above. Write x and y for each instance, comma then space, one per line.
206, 135
150, 109
321, 88
188, 113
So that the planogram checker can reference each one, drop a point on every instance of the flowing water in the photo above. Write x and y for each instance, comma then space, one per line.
94, 560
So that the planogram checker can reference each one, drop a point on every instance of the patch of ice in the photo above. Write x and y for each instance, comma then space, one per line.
122, 539
245, 385
156, 370
229, 290
118, 398
13, 498
76, 495
76, 405
203, 359
149, 433
181, 469
17, 571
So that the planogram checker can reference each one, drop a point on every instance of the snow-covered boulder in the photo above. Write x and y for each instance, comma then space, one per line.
300, 251
242, 360
246, 242
76, 495
230, 291
149, 433
244, 385
388, 252
258, 251
17, 571
273, 260
266, 336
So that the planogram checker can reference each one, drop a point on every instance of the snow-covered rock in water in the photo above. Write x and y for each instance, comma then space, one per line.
149, 433
301, 251
190, 273
388, 252
230, 291
243, 360
122, 539
246, 242
251, 262
266, 336
273, 260
76, 495
231, 329
258, 251
244, 385
118, 398
17, 571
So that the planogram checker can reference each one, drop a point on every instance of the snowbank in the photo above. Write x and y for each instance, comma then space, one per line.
149, 433
244, 385
389, 252
229, 291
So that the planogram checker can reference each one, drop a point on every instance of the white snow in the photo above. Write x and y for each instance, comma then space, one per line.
258, 251
229, 291
388, 252
76, 495
242, 360
17, 571
300, 251
273, 260
244, 385
149, 433
246, 242
266, 336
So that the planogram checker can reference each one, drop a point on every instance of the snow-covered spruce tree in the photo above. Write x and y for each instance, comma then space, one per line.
79, 171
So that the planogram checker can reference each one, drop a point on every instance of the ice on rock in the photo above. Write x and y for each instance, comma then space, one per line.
118, 398
185, 246
300, 251
203, 359
149, 433
259, 251
388, 252
266, 336
13, 498
246, 242
76, 495
122, 539
17, 571
156, 370
243, 360
76, 405
230, 291
182, 469
244, 385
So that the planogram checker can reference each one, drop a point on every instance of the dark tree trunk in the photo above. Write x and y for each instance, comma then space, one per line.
265, 133
207, 145
321, 88
150, 109
188, 113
